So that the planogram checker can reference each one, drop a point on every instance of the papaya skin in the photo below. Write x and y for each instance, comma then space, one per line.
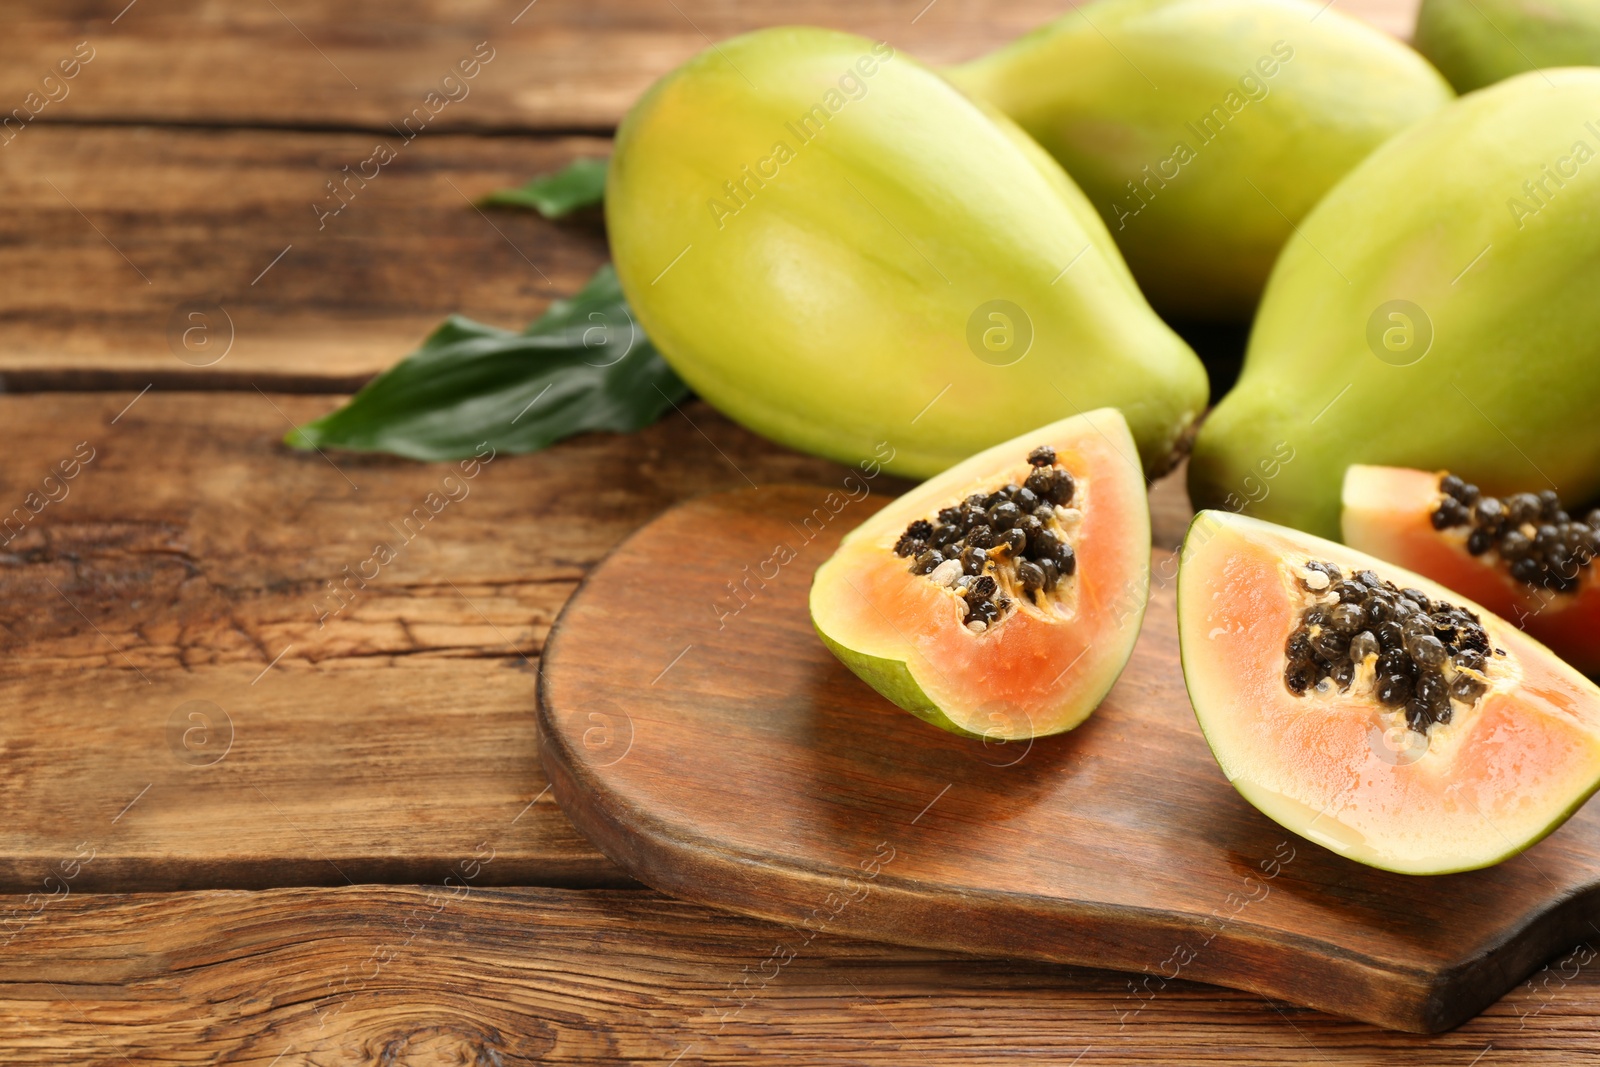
1117, 86
1505, 389
823, 294
1475, 43
894, 682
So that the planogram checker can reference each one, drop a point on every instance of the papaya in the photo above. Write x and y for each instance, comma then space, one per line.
1524, 557
1373, 711
1437, 311
1002, 598
1479, 42
836, 248
1204, 130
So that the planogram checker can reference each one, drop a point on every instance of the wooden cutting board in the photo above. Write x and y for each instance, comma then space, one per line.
710, 745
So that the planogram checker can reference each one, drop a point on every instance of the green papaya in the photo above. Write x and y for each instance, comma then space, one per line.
1479, 42
1204, 130
1437, 311
836, 248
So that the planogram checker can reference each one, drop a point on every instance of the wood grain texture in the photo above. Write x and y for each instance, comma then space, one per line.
558, 64
423, 977
388, 739
112, 236
722, 755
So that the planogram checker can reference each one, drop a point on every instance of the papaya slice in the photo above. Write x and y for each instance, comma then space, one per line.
1522, 556
1002, 598
1334, 725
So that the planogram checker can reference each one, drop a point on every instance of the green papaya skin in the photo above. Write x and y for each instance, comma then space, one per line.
809, 225
1230, 119
1479, 42
1484, 217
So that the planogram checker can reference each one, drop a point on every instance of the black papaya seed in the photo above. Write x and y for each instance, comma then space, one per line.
1389, 635
1062, 488
1490, 512
1347, 618
1427, 651
1343, 674
1466, 688
1004, 515
1299, 677
1350, 592
1330, 643
1394, 690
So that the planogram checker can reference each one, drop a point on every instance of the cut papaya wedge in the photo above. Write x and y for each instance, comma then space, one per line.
1002, 598
1372, 710
1391, 513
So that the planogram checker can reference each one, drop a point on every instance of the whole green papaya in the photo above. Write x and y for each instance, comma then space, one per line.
1204, 130
1479, 42
836, 248
1438, 310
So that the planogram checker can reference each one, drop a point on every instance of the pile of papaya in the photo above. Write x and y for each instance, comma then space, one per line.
1388, 598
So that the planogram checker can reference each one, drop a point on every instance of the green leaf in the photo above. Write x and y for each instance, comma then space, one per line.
581, 184
584, 365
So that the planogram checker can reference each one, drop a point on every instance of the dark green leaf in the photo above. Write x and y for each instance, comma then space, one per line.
581, 184
584, 365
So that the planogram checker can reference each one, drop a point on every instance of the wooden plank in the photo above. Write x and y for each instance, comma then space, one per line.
192, 551
115, 235
513, 977
557, 64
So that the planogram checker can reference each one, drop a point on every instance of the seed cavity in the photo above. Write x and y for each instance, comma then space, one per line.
998, 548
1540, 543
1417, 654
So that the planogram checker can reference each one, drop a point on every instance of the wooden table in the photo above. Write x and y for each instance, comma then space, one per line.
357, 860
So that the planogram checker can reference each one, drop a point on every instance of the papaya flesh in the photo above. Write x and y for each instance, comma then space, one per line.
1390, 513
970, 644
1340, 767
1437, 311
836, 248
1204, 130
1478, 42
